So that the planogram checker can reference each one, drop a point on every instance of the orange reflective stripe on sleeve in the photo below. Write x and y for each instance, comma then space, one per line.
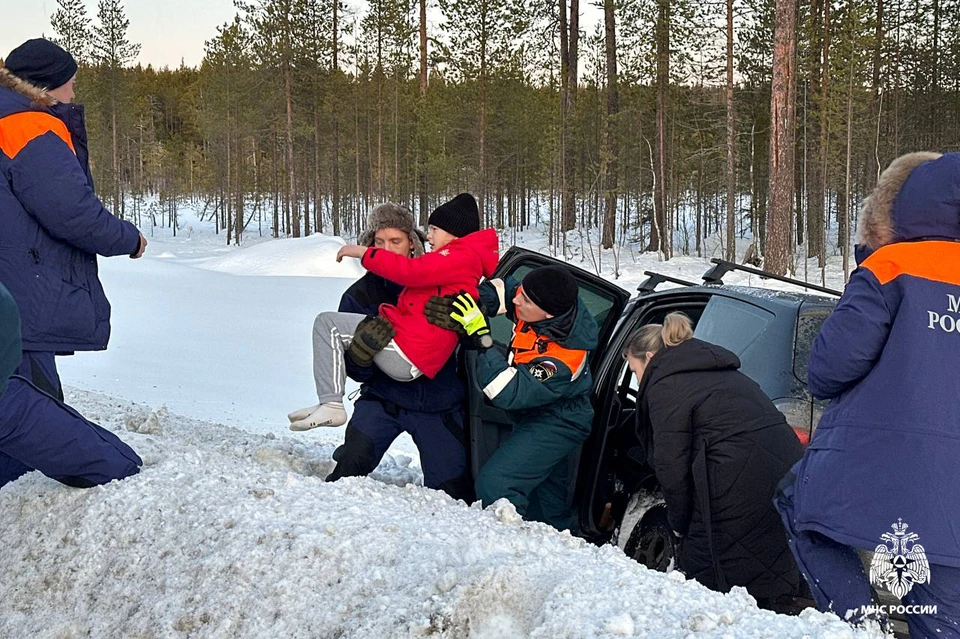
938, 261
19, 129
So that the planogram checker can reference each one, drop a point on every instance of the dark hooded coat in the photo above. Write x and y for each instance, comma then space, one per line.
720, 447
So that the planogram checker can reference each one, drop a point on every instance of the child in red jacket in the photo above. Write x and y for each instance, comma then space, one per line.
461, 254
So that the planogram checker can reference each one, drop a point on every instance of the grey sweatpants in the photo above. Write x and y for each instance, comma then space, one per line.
332, 334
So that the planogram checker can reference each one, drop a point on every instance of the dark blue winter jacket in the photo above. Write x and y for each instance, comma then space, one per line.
10, 352
52, 225
442, 394
888, 446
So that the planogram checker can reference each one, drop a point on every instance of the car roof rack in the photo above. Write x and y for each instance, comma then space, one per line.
654, 279
715, 276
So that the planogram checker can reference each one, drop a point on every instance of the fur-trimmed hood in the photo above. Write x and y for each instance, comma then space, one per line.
18, 85
917, 196
392, 216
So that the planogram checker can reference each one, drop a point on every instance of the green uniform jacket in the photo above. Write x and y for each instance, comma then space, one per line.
10, 353
546, 379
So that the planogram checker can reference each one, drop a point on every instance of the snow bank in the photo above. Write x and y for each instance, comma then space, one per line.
313, 256
230, 534
207, 344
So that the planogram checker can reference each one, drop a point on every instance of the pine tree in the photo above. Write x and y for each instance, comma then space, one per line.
225, 80
613, 107
72, 25
111, 52
483, 37
783, 123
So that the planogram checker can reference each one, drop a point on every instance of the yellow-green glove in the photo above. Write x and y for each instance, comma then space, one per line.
471, 318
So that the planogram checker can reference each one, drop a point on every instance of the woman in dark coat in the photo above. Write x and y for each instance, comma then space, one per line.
720, 447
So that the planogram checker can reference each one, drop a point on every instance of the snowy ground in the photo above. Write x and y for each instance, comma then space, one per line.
230, 531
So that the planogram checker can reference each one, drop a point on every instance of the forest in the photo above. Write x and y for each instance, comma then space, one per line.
665, 123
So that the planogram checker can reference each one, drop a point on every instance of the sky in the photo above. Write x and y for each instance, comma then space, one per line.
169, 31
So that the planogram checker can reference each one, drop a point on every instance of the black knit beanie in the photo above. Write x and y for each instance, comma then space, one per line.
41, 63
458, 217
552, 288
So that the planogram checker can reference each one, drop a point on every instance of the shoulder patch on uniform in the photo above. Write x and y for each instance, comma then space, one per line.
543, 371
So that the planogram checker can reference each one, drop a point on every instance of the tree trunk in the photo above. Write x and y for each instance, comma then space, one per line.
783, 125
660, 240
814, 182
423, 48
824, 141
482, 191
335, 151
731, 250
291, 166
873, 160
844, 214
934, 110
379, 74
610, 156
569, 43
228, 195
116, 159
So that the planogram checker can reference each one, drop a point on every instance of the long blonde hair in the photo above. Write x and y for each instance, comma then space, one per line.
676, 328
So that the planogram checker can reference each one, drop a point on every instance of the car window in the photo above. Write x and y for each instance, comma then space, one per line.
598, 303
808, 327
732, 323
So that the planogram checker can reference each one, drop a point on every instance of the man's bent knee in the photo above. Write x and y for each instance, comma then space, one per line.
492, 486
356, 457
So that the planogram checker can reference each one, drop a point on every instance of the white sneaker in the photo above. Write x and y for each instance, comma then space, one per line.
330, 414
302, 413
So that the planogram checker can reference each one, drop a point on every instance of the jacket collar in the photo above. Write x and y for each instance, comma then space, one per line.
20, 86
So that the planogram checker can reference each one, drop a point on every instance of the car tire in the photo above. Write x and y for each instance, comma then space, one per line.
652, 542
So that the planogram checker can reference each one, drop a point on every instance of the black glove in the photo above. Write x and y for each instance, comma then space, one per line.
438, 310
372, 336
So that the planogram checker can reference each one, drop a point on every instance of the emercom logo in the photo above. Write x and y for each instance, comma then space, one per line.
899, 562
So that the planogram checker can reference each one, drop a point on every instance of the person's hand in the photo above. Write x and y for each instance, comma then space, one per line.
351, 250
140, 249
469, 316
371, 336
438, 310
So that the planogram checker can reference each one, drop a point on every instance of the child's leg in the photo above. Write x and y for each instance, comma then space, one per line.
332, 334
394, 362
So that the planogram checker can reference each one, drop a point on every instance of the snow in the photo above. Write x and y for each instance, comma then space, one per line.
231, 533
312, 256
229, 530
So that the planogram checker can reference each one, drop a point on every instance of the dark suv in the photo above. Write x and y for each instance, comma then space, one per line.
770, 331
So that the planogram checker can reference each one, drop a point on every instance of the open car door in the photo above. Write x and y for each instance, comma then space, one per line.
489, 426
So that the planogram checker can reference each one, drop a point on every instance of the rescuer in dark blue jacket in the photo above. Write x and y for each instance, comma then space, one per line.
430, 410
52, 225
880, 472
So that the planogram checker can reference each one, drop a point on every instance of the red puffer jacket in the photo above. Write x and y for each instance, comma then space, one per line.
456, 267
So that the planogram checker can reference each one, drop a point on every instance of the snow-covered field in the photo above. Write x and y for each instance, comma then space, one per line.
230, 531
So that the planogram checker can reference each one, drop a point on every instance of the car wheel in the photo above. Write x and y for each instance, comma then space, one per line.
651, 542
